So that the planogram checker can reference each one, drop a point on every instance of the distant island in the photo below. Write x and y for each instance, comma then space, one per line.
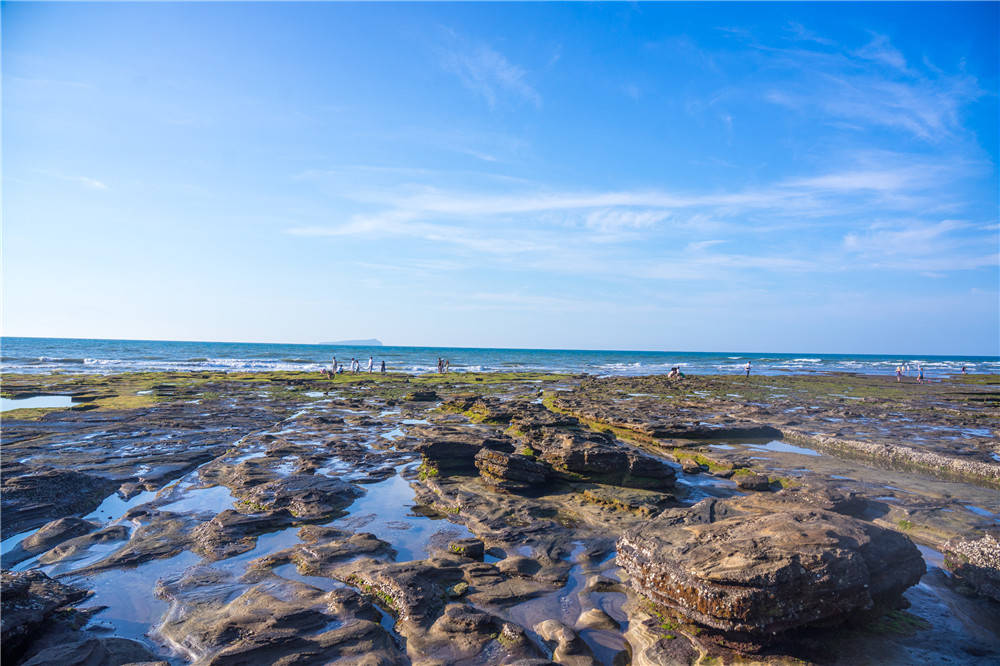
371, 342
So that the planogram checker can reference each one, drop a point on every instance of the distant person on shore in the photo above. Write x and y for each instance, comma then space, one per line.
371, 365
440, 365
920, 376
963, 370
340, 369
447, 366
747, 368
355, 366
675, 373
899, 373
383, 367
334, 364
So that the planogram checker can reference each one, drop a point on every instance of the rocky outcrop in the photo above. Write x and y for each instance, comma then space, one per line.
893, 455
451, 449
305, 496
231, 533
208, 624
33, 497
511, 471
50, 535
758, 482
977, 563
653, 426
750, 574
599, 457
30, 599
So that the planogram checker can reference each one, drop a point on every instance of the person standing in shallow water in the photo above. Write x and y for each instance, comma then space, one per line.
747, 368
383, 368
371, 365
899, 373
920, 375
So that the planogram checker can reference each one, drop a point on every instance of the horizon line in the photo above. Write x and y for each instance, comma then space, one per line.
548, 349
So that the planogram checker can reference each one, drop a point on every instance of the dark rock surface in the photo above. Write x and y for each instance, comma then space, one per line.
752, 574
977, 563
511, 471
597, 456
33, 496
29, 600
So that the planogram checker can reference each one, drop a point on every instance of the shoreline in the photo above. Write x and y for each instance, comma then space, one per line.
426, 498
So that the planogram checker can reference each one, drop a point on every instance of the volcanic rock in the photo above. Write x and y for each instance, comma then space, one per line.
751, 574
510, 471
976, 562
29, 600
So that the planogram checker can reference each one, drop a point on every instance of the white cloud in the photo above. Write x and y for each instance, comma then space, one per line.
882, 51
871, 87
487, 72
92, 183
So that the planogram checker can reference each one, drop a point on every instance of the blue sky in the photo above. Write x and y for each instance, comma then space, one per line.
777, 177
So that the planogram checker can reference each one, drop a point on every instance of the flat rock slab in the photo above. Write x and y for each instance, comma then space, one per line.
752, 574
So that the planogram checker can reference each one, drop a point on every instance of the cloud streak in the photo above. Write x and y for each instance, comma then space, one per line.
488, 73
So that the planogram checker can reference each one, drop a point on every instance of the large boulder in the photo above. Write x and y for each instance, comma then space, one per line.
450, 449
599, 457
750, 574
510, 471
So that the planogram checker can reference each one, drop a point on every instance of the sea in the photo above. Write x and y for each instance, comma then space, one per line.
45, 355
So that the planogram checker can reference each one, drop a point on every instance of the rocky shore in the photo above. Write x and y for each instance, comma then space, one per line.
500, 518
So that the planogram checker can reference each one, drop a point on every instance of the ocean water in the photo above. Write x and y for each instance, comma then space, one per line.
43, 355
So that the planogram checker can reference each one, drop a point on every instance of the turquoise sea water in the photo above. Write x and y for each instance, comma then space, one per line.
42, 355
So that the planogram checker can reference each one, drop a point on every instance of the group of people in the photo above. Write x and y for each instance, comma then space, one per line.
675, 373
904, 369
355, 366
443, 365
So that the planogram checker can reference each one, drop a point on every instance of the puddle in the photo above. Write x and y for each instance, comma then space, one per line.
933, 558
36, 402
248, 456
114, 507
214, 500
11, 542
979, 512
289, 572
783, 447
562, 605
394, 434
696, 487
132, 609
386, 510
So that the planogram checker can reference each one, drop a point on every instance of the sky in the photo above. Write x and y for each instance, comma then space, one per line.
700, 177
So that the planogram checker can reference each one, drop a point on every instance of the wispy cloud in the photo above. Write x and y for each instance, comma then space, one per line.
870, 86
487, 72
92, 183
882, 51
883, 209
